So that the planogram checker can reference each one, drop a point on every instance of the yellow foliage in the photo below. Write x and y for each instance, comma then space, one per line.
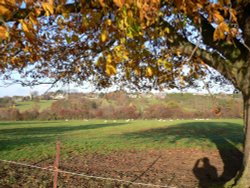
24, 26
149, 71
104, 36
110, 69
109, 22
167, 30
48, 8
108, 58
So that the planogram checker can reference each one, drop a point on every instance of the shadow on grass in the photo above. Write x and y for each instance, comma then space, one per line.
16, 137
17, 143
224, 135
54, 129
11, 123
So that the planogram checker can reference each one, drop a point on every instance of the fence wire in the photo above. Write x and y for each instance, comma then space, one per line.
85, 175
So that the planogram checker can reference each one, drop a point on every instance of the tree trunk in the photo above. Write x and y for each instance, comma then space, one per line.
244, 181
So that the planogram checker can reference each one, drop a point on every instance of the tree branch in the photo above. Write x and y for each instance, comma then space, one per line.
230, 52
212, 59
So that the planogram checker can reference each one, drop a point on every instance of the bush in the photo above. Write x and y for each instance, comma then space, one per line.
126, 112
47, 115
10, 114
6, 102
161, 111
30, 114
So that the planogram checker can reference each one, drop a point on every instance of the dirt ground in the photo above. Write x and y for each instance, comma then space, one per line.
184, 168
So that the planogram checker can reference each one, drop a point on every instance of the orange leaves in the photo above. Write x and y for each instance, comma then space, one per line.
7, 7
102, 3
223, 30
218, 18
119, 3
33, 19
48, 8
224, 27
3, 33
25, 26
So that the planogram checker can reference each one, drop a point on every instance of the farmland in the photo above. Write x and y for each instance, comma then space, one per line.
115, 148
27, 105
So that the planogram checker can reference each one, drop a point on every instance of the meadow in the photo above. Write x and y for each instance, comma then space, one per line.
27, 105
35, 140
154, 151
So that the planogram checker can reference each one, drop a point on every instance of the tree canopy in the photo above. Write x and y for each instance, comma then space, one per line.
144, 43
147, 43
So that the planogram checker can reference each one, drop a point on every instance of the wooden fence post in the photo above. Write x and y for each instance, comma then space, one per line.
56, 164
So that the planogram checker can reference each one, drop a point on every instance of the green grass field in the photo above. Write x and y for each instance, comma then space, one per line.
28, 105
35, 140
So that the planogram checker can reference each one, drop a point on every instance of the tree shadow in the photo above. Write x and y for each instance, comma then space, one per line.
14, 123
224, 135
54, 129
15, 137
17, 143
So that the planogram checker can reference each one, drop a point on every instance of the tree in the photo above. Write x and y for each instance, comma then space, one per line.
141, 43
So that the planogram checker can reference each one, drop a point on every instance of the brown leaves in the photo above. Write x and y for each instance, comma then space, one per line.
3, 33
119, 3
28, 30
7, 7
33, 19
131, 24
223, 30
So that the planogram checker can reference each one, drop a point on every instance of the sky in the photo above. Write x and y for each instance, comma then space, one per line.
18, 90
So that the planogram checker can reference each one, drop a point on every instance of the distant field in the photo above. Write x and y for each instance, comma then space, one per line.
27, 105
35, 140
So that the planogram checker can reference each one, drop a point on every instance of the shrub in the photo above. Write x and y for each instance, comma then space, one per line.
161, 111
10, 114
126, 112
30, 114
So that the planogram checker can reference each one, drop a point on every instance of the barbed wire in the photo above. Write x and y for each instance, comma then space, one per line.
85, 175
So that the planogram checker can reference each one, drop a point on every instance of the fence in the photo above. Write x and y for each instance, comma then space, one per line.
57, 170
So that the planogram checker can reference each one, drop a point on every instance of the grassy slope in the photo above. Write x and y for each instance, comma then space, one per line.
185, 101
35, 140
27, 105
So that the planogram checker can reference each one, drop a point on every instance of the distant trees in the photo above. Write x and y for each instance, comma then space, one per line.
6, 102
118, 105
